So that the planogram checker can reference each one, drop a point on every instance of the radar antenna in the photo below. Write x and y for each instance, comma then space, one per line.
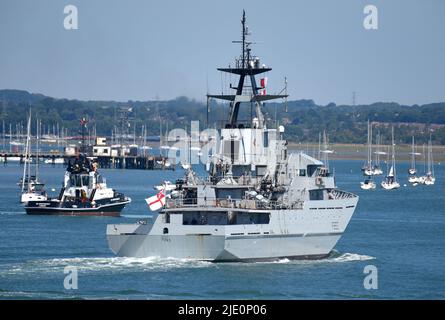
247, 66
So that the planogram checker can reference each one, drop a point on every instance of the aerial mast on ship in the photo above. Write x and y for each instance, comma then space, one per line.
247, 66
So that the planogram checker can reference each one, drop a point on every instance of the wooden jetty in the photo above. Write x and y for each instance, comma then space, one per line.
140, 162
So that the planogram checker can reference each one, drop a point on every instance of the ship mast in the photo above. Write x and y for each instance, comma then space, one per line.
83, 124
246, 67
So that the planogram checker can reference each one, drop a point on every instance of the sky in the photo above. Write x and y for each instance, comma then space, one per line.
146, 49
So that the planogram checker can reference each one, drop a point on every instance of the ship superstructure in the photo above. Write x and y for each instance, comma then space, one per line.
258, 202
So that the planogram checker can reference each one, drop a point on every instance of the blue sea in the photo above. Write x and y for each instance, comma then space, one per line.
400, 232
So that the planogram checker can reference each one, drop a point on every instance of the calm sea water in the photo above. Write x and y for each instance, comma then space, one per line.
400, 232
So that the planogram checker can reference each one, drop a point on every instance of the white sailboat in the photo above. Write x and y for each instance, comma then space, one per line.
368, 184
368, 170
429, 177
413, 178
421, 179
377, 171
32, 188
367, 167
390, 181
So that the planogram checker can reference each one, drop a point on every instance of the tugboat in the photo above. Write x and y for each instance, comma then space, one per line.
84, 193
257, 203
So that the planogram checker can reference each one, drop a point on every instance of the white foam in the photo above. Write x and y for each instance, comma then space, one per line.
285, 260
347, 257
101, 264
118, 263
127, 264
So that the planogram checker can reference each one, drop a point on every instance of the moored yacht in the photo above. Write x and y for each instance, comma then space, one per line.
377, 169
412, 171
368, 184
32, 189
368, 169
390, 182
429, 178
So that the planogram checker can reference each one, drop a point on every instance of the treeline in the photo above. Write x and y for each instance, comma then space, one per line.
303, 119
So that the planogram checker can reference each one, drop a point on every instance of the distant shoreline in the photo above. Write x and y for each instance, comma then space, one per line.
358, 151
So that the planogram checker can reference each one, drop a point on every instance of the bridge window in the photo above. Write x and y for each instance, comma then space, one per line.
311, 169
266, 139
316, 194
77, 180
85, 180
224, 218
100, 179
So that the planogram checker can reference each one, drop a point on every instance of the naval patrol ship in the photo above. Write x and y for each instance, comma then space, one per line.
258, 201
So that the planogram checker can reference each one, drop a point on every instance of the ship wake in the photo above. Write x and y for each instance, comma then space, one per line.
336, 256
127, 264
99, 264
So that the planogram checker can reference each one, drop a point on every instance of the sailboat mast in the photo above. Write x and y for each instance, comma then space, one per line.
37, 148
432, 161
429, 156
369, 145
3, 135
26, 166
10, 137
393, 153
28, 157
377, 153
428, 159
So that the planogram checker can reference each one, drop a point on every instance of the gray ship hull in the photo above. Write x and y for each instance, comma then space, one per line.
224, 249
285, 236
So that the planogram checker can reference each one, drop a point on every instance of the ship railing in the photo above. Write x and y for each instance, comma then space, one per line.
248, 204
243, 180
